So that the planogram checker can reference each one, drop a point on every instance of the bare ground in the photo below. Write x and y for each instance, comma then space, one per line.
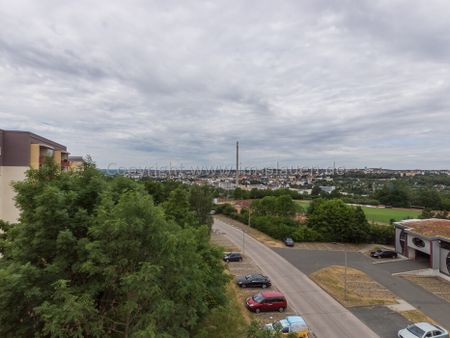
361, 289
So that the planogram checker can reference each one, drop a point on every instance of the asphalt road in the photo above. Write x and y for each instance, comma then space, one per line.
433, 306
325, 316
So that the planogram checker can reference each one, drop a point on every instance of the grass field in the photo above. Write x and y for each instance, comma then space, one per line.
382, 215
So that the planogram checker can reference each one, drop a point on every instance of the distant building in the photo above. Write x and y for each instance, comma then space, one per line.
20, 150
327, 188
425, 239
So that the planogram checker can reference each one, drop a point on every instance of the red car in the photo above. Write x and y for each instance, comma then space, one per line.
267, 301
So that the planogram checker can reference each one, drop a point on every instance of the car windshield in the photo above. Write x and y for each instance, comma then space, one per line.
417, 331
258, 298
248, 277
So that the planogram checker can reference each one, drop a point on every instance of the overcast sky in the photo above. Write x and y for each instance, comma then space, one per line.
140, 83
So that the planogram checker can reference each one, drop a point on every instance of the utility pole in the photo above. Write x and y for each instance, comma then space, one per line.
243, 241
345, 275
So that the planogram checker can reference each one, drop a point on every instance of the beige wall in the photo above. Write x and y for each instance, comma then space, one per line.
34, 156
57, 157
8, 175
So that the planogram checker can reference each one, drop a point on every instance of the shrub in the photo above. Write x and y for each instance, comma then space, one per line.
381, 234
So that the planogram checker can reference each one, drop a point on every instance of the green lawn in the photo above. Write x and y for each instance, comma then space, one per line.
382, 215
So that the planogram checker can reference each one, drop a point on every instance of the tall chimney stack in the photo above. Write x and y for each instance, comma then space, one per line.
237, 163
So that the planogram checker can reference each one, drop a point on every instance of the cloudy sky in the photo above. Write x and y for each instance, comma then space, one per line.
144, 83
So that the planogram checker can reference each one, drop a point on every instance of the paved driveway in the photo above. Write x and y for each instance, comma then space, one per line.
385, 322
309, 261
323, 313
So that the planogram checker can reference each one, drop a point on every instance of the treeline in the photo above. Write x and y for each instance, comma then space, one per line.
109, 257
241, 194
327, 220
399, 193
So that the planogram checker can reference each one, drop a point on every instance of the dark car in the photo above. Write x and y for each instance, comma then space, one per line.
267, 301
383, 254
232, 257
288, 241
253, 281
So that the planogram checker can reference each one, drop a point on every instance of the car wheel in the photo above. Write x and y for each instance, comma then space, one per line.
264, 286
243, 286
281, 309
378, 257
228, 261
257, 310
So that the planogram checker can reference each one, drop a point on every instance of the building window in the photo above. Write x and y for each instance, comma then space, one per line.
418, 242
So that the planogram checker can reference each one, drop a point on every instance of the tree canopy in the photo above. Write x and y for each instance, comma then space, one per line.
95, 257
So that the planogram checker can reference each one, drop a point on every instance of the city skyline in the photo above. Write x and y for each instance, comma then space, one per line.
302, 82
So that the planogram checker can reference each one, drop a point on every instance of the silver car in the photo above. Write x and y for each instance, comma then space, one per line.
423, 330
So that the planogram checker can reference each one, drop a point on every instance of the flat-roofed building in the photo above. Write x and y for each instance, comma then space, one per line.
425, 239
20, 150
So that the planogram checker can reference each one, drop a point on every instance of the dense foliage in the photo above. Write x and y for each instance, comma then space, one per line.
95, 257
327, 220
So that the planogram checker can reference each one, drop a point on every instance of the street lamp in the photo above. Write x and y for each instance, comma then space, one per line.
243, 241
345, 274
345, 270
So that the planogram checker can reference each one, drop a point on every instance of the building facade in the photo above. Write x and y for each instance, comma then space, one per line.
425, 239
20, 150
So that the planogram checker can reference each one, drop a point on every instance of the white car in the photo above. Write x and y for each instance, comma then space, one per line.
423, 330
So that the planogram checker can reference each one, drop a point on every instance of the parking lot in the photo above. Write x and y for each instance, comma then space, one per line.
383, 321
248, 266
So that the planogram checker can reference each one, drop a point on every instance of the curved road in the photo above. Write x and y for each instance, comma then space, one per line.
326, 317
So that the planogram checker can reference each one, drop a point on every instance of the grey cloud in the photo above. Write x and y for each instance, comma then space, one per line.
358, 82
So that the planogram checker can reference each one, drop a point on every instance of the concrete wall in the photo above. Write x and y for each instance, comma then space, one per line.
435, 254
398, 247
443, 261
426, 249
9, 174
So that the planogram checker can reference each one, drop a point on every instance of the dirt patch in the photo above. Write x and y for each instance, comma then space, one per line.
361, 289
436, 285
260, 236
415, 316
218, 239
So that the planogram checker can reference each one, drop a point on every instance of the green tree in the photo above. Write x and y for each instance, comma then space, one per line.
336, 221
395, 193
201, 202
177, 207
316, 190
95, 257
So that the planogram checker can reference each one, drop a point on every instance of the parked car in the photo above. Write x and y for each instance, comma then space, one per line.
232, 257
423, 330
293, 326
256, 280
383, 254
288, 241
267, 301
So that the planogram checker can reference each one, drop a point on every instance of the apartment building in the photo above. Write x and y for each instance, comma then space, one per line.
20, 150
